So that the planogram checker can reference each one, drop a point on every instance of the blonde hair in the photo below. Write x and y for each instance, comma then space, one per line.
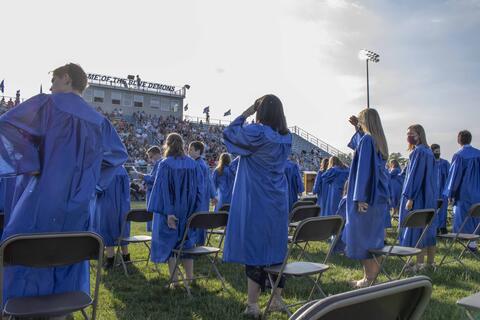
334, 161
173, 146
422, 136
223, 160
370, 123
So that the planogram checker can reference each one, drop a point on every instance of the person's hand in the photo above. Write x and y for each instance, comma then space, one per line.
362, 207
354, 121
250, 111
172, 221
409, 205
451, 201
35, 173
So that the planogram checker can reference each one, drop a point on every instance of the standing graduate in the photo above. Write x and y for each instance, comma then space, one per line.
395, 184
420, 191
223, 179
333, 180
368, 194
295, 183
64, 149
112, 206
318, 186
257, 230
195, 151
463, 184
154, 154
442, 168
176, 195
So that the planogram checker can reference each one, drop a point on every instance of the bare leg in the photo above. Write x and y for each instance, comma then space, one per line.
421, 256
188, 266
124, 250
171, 266
110, 252
253, 291
431, 255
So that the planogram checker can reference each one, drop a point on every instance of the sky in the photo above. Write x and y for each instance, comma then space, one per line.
304, 51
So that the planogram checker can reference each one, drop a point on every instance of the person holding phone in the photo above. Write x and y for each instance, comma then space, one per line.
368, 193
257, 230
176, 195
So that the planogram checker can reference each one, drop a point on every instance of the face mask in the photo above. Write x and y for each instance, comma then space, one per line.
412, 140
437, 155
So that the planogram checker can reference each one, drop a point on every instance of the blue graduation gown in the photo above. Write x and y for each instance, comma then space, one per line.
442, 168
257, 230
73, 148
396, 185
341, 211
334, 182
463, 185
420, 185
224, 185
367, 182
112, 206
317, 189
176, 191
295, 183
149, 179
208, 193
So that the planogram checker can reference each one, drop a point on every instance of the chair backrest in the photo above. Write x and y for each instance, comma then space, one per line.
318, 228
2, 220
404, 299
50, 249
304, 212
139, 215
208, 220
418, 218
302, 203
225, 207
309, 198
474, 210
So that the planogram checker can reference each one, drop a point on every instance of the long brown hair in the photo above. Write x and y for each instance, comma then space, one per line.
270, 112
422, 136
223, 160
334, 161
173, 146
324, 164
370, 123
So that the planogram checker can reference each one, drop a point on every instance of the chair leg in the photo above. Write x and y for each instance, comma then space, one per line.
219, 275
270, 299
125, 270
449, 249
185, 282
469, 315
404, 267
149, 252
84, 314
315, 285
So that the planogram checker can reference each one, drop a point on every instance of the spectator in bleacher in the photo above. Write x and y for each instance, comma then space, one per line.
367, 198
259, 196
65, 149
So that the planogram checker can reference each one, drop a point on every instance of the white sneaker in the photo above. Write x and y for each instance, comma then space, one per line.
252, 310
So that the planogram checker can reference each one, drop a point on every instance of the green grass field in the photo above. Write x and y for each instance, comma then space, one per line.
142, 295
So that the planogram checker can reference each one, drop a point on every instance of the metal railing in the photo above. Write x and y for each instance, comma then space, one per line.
203, 120
316, 142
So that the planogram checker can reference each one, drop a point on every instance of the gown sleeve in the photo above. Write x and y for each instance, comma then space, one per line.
355, 140
21, 132
299, 182
416, 175
318, 183
242, 140
454, 177
114, 154
149, 179
366, 178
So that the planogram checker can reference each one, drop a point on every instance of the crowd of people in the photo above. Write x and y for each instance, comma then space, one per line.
253, 174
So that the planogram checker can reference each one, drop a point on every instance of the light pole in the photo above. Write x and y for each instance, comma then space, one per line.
368, 55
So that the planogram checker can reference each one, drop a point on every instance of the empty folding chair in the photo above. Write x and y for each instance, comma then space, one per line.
404, 299
415, 219
51, 250
312, 229
138, 215
471, 304
201, 220
462, 238
301, 203
221, 231
311, 198
296, 216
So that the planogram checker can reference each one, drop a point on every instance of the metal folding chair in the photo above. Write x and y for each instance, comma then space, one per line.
138, 215
404, 299
202, 220
312, 229
415, 219
220, 232
51, 250
462, 238
471, 304
311, 198
296, 216
301, 203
